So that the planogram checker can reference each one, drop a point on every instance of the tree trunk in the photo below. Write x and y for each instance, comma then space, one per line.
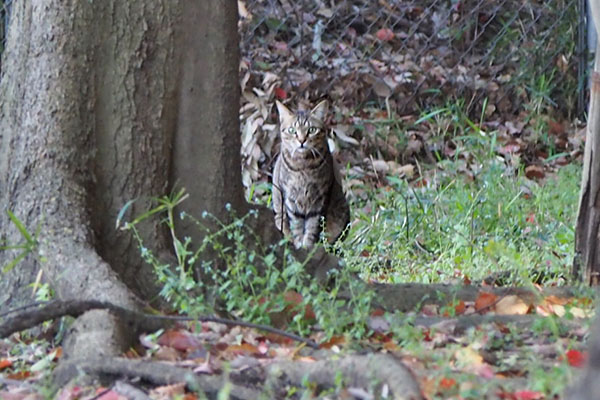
586, 265
206, 149
95, 99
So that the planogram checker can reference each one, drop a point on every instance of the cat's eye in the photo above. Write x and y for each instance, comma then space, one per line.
291, 130
313, 130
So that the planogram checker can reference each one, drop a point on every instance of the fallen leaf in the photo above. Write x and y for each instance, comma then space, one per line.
242, 349
528, 395
484, 301
334, 341
243, 11
20, 395
179, 340
534, 172
19, 376
511, 305
280, 93
468, 357
430, 310
5, 363
167, 392
377, 312
385, 34
447, 383
109, 395
340, 132
294, 299
576, 358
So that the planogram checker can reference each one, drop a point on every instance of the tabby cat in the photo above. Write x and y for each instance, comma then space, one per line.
306, 185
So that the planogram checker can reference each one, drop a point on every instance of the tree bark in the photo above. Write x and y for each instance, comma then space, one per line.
586, 265
95, 99
102, 102
206, 148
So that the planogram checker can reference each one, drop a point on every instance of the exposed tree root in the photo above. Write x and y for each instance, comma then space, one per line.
408, 296
136, 321
378, 373
159, 373
460, 324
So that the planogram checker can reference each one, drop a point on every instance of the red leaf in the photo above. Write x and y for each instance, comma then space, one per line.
520, 395
385, 34
485, 300
528, 395
179, 340
280, 93
427, 335
377, 312
576, 358
531, 218
19, 376
4, 363
447, 383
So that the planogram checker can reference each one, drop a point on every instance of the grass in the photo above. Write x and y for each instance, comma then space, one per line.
470, 216
451, 225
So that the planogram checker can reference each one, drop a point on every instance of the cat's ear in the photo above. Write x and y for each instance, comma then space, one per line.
320, 110
284, 113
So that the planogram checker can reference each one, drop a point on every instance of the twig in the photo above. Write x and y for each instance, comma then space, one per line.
139, 321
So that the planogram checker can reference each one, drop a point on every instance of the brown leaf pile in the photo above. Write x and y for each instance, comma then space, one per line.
383, 63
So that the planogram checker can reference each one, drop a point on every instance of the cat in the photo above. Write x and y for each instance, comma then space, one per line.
306, 184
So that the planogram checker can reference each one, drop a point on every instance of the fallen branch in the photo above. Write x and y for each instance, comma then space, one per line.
137, 321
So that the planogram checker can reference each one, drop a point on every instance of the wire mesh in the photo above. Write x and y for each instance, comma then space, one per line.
412, 56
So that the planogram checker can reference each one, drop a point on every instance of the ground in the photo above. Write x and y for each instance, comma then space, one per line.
459, 189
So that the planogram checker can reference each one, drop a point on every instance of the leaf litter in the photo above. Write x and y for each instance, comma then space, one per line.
379, 128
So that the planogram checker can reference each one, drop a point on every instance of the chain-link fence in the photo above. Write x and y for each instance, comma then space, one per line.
416, 54
412, 56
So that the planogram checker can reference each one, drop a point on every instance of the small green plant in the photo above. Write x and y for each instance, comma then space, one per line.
28, 246
247, 279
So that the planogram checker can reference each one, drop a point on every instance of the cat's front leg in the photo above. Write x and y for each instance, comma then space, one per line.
312, 231
296, 226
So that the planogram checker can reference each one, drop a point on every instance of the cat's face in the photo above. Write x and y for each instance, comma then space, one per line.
303, 134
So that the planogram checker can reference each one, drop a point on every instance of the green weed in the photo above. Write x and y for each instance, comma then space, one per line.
249, 280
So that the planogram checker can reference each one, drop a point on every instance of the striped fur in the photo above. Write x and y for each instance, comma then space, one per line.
306, 187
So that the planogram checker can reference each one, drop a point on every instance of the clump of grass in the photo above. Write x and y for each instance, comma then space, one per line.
449, 225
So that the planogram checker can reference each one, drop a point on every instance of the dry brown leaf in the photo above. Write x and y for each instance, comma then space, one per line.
485, 300
511, 305
468, 357
534, 172
167, 392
